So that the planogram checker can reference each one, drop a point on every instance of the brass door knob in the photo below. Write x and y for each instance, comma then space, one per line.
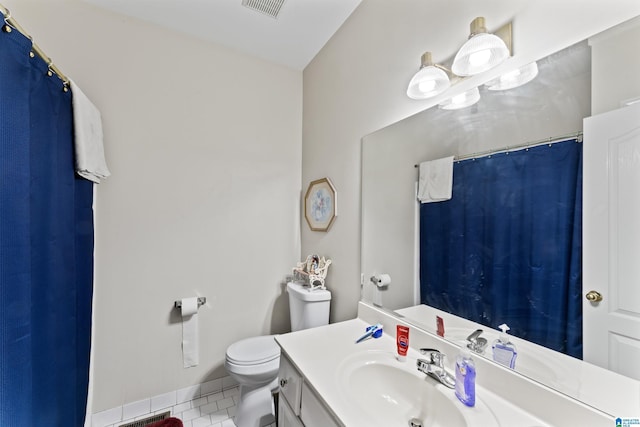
594, 296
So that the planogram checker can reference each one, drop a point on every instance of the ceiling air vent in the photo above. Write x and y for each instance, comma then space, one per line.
268, 7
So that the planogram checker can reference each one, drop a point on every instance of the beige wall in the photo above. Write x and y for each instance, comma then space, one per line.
204, 145
616, 67
356, 85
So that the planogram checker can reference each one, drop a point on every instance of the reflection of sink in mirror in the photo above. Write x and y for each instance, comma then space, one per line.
551, 368
391, 393
530, 361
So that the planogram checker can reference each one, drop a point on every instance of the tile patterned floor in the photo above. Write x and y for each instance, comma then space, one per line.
213, 410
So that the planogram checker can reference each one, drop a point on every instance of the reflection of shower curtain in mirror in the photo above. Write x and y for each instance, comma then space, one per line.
46, 248
507, 247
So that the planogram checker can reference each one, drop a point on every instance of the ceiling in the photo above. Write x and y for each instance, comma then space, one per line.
300, 30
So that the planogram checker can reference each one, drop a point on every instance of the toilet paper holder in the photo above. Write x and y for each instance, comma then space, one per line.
201, 301
381, 280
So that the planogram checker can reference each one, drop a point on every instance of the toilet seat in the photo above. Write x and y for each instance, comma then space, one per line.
253, 351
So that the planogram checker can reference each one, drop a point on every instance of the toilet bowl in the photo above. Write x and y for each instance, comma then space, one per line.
254, 362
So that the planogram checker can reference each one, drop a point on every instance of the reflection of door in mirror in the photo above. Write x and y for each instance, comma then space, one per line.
612, 240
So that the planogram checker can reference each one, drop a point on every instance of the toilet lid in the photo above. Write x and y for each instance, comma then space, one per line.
255, 350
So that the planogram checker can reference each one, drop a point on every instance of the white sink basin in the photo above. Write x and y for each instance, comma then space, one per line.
391, 393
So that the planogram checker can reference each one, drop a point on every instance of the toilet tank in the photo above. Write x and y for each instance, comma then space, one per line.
308, 308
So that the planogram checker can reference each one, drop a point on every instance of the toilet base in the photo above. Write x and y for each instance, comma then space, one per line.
255, 406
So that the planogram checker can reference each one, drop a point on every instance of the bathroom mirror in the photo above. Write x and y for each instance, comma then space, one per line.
551, 106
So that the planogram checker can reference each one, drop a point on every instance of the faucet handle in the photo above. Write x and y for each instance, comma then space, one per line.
436, 357
428, 351
474, 335
475, 342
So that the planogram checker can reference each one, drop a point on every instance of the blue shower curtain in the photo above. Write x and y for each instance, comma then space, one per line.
46, 248
507, 247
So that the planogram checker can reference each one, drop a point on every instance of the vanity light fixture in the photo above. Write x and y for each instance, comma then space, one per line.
482, 51
462, 100
514, 78
431, 80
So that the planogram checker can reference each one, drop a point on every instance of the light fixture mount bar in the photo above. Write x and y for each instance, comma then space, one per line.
506, 34
477, 26
425, 60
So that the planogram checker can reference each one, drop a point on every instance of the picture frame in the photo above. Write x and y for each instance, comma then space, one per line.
320, 204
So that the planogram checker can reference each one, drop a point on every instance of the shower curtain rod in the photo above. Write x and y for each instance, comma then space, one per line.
550, 140
12, 24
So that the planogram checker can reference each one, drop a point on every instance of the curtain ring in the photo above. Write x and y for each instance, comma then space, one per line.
6, 27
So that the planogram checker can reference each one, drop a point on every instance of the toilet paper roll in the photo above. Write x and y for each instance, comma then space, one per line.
382, 280
190, 351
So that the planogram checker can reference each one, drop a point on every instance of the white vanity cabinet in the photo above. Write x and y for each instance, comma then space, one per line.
286, 417
298, 405
313, 412
290, 394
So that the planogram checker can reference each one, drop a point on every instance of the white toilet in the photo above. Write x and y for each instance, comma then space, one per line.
254, 362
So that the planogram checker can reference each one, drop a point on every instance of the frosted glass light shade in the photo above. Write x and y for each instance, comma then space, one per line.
463, 100
480, 53
428, 82
514, 78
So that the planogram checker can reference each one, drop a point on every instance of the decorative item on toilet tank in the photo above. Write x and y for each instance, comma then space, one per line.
312, 272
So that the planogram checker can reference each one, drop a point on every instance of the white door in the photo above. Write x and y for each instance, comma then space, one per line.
611, 240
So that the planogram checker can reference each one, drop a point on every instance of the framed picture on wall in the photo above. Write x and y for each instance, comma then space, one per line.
320, 204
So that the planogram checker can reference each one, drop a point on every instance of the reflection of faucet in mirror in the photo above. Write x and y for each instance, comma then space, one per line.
434, 367
475, 342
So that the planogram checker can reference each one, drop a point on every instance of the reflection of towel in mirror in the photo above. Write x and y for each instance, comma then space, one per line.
436, 180
87, 126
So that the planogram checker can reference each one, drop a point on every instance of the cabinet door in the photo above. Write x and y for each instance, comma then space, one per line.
312, 412
286, 417
290, 384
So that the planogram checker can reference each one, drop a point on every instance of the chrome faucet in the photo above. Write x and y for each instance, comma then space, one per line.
434, 367
475, 342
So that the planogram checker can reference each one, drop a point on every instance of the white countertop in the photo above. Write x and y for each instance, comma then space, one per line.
319, 352
593, 385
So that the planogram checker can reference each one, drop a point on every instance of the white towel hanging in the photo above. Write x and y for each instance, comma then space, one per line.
436, 180
89, 149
